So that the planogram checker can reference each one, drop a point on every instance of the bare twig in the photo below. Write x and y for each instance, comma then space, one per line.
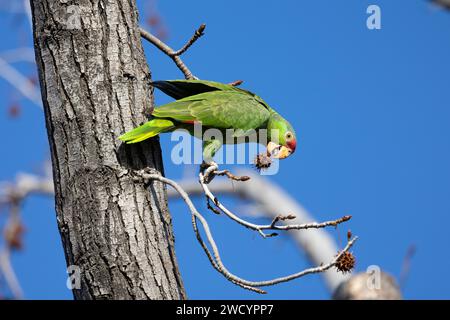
25, 185
20, 82
11, 74
23, 54
318, 246
215, 257
175, 55
210, 207
27, 9
8, 273
198, 33
205, 178
282, 218
12, 241
12, 195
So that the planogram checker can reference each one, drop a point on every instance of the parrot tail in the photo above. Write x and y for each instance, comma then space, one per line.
147, 130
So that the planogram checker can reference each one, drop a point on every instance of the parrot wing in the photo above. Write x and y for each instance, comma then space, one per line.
218, 109
179, 89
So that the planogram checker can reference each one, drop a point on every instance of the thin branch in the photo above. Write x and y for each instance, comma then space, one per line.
198, 33
20, 82
27, 9
25, 185
215, 257
210, 207
175, 55
206, 176
12, 241
12, 195
24, 54
281, 218
268, 201
318, 246
8, 273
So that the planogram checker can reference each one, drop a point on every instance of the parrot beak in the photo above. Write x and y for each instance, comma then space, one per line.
278, 152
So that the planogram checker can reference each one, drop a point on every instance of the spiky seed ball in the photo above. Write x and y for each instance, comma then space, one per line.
346, 262
262, 161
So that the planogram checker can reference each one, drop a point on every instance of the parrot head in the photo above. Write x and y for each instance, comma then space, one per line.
282, 139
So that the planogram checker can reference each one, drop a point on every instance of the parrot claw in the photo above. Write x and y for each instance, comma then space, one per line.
208, 168
207, 164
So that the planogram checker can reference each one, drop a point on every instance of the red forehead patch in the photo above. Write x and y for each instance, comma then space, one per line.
292, 144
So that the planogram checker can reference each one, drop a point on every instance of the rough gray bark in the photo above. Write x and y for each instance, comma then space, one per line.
95, 86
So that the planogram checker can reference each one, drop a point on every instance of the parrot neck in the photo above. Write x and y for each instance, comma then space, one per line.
274, 124
274, 116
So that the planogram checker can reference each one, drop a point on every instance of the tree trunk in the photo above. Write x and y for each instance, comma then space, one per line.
95, 86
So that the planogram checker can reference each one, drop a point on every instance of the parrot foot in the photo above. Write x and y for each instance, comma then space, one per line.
208, 164
143, 174
208, 168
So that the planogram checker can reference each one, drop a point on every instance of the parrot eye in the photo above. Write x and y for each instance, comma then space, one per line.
288, 135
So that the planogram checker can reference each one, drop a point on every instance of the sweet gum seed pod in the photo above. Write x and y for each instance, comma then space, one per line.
262, 161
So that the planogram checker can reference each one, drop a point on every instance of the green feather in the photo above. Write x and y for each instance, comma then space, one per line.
218, 109
179, 89
147, 130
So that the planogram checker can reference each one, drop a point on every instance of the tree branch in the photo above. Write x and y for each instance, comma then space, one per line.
318, 246
20, 82
25, 185
175, 55
215, 257
8, 273
12, 195
197, 34
206, 176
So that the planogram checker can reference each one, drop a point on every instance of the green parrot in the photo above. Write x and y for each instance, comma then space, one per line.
218, 106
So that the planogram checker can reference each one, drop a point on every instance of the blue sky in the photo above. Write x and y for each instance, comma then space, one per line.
370, 107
